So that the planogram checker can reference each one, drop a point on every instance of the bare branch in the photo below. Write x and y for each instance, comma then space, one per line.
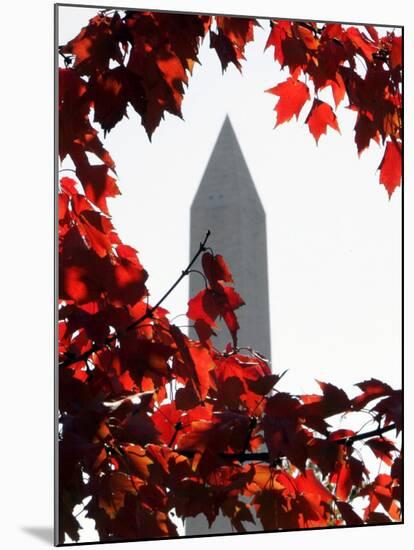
366, 435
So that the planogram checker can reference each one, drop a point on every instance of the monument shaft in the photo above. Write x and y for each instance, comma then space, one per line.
228, 204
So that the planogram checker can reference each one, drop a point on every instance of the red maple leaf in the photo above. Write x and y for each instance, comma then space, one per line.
216, 269
210, 303
230, 40
391, 167
319, 118
382, 448
361, 42
293, 94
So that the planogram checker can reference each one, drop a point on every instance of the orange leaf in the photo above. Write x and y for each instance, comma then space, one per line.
138, 461
114, 488
307, 36
203, 364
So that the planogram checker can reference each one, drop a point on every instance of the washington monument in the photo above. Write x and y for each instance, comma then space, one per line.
228, 204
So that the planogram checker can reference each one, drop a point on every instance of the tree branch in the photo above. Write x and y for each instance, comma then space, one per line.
365, 435
265, 455
149, 313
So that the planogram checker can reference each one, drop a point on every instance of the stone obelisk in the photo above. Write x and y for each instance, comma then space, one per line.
228, 204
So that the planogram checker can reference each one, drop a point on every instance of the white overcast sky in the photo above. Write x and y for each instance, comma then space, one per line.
334, 238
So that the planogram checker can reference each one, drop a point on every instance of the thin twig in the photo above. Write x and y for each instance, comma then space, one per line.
199, 273
149, 314
365, 435
67, 170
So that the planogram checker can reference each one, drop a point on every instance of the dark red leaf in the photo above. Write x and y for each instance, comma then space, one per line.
382, 448
231, 38
371, 389
216, 269
348, 514
396, 52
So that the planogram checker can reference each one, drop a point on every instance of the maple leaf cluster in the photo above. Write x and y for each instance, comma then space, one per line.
151, 420
355, 64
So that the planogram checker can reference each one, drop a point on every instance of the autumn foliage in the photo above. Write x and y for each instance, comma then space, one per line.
151, 420
355, 64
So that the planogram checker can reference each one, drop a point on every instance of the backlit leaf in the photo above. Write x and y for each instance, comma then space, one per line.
293, 94
319, 118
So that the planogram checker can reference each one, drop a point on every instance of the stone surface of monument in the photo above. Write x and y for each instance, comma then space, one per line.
227, 203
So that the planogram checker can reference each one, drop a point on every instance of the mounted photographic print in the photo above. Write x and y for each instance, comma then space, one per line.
229, 229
